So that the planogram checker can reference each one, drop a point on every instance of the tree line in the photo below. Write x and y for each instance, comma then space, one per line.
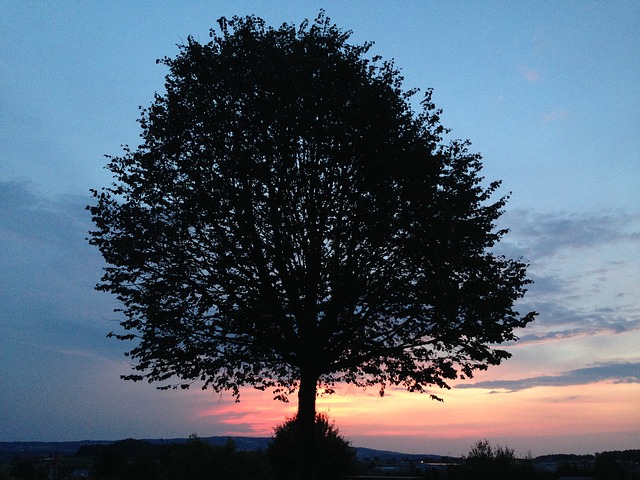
198, 460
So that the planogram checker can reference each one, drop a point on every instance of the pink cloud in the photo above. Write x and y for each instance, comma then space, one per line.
530, 75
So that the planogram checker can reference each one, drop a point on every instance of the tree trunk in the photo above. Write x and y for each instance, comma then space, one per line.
306, 420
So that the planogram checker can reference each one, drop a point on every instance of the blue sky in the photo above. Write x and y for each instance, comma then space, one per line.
547, 93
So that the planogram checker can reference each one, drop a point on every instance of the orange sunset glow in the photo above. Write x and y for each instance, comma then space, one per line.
539, 416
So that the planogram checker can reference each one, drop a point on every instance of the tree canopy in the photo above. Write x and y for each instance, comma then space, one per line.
291, 221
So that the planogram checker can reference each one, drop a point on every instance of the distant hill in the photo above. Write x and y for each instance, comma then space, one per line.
386, 455
10, 450
567, 458
247, 444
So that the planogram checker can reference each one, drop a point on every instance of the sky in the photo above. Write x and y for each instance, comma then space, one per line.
546, 91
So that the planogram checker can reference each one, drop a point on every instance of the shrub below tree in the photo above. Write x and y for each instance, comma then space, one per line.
334, 458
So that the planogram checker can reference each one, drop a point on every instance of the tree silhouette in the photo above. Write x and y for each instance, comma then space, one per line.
290, 222
487, 463
334, 456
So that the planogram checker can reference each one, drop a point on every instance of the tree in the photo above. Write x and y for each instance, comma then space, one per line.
500, 463
290, 222
334, 456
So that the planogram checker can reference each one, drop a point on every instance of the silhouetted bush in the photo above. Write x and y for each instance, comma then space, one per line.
127, 460
194, 460
333, 455
24, 470
197, 460
485, 462
618, 465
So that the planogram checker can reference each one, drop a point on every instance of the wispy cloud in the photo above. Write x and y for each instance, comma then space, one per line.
48, 272
589, 330
73, 352
543, 234
529, 74
578, 320
27, 216
555, 115
584, 270
622, 372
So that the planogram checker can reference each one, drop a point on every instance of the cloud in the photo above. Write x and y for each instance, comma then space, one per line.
582, 319
615, 372
575, 258
554, 115
32, 222
29, 217
589, 330
530, 75
544, 234
584, 268
48, 273
569, 313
